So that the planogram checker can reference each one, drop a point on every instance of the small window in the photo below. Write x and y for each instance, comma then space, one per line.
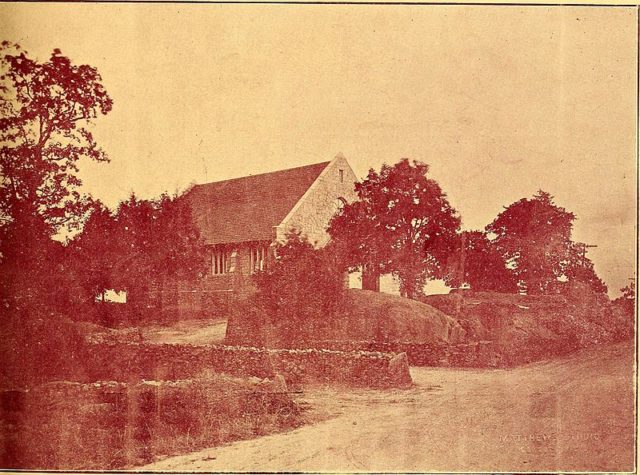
341, 173
338, 206
219, 262
258, 258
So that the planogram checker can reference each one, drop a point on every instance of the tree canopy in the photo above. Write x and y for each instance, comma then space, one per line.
534, 236
478, 263
144, 244
46, 109
401, 223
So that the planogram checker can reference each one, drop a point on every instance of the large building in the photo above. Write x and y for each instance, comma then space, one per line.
241, 219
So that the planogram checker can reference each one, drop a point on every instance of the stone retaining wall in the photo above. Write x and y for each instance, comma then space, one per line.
478, 354
146, 361
166, 362
359, 368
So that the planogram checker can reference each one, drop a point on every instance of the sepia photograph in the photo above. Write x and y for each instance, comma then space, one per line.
336, 237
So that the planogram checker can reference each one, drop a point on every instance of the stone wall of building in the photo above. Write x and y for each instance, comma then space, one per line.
240, 276
243, 273
312, 213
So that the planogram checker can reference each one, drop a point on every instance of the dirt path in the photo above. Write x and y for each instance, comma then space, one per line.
574, 414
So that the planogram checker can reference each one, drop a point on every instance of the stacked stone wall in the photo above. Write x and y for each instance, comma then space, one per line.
145, 361
477, 354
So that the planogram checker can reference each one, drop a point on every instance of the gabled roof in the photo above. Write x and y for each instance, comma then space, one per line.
247, 209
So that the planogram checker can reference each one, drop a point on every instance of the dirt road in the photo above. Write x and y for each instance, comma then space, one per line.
574, 414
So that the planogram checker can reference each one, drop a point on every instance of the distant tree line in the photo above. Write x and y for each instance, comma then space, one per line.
403, 224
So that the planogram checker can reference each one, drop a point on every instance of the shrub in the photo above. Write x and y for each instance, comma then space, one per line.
300, 293
39, 347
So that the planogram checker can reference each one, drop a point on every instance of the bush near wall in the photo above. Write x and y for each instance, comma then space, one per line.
40, 346
111, 425
137, 361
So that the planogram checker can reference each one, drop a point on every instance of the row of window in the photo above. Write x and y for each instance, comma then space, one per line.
258, 258
220, 259
219, 262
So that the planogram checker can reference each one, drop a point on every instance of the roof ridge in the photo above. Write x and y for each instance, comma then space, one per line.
244, 177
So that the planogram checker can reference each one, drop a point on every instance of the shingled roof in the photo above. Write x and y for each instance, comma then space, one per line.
247, 209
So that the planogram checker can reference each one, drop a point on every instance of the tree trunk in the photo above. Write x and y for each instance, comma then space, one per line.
370, 278
409, 285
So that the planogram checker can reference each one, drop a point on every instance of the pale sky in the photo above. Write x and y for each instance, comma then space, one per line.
500, 101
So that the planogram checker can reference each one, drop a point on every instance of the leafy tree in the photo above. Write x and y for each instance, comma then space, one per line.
144, 245
162, 242
30, 265
46, 110
579, 268
478, 262
94, 253
359, 242
627, 301
629, 291
534, 236
401, 223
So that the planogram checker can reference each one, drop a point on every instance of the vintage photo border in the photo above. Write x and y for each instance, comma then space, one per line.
397, 4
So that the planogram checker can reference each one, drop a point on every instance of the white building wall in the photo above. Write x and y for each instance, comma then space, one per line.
312, 213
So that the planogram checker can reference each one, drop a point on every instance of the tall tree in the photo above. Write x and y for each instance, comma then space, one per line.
158, 244
46, 108
94, 253
401, 223
143, 245
534, 236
